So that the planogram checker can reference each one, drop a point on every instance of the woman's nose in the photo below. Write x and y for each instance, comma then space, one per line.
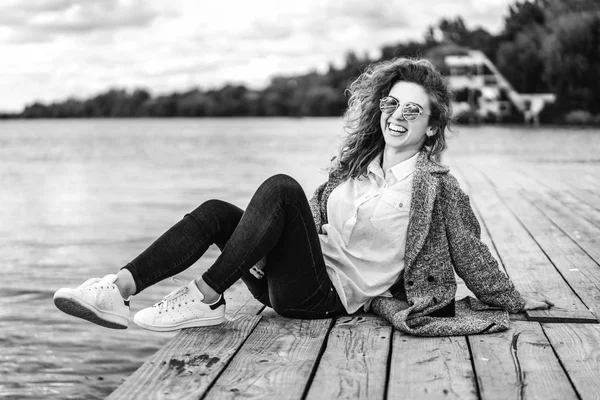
397, 114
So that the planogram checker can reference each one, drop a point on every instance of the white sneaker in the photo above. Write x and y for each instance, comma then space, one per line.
182, 308
96, 300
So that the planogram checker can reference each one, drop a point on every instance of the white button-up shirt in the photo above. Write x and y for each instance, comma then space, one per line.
364, 241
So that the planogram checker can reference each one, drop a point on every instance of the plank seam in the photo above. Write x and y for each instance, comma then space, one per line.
315, 366
565, 232
214, 381
388, 371
570, 238
511, 211
471, 358
560, 362
568, 191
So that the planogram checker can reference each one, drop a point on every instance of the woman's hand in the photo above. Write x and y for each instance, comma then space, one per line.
535, 304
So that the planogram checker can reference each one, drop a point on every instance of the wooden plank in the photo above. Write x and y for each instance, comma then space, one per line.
578, 348
275, 362
582, 184
587, 195
188, 363
186, 366
518, 364
354, 364
575, 266
577, 206
566, 175
529, 268
582, 231
430, 368
579, 219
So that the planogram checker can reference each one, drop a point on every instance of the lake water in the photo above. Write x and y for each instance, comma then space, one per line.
80, 198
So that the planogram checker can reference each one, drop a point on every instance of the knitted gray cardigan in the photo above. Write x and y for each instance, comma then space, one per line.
443, 236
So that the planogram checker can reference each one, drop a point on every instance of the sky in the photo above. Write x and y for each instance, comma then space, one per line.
51, 50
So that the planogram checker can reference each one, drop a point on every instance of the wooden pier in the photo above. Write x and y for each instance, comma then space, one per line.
541, 220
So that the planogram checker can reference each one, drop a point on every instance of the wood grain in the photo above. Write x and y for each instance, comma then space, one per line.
431, 368
519, 364
187, 365
589, 196
578, 348
582, 231
529, 268
275, 362
354, 364
576, 267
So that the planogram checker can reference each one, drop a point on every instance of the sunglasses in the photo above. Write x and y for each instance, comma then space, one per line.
410, 111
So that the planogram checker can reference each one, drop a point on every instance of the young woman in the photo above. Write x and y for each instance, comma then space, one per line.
389, 220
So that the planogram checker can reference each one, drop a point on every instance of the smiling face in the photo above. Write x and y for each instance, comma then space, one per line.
402, 136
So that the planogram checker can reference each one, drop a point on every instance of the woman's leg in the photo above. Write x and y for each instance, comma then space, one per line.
104, 301
278, 224
213, 222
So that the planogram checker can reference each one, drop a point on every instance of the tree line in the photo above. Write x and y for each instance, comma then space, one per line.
545, 46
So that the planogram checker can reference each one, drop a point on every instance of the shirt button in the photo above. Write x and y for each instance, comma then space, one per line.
430, 278
426, 257
410, 283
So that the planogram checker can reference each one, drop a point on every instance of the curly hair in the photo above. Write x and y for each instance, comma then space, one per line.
364, 140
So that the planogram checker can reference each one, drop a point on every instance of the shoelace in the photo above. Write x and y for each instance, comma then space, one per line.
106, 284
89, 282
172, 300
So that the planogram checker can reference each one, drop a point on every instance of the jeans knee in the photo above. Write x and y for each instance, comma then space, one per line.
209, 206
281, 184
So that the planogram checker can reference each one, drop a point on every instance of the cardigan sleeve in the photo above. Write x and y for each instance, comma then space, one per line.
473, 260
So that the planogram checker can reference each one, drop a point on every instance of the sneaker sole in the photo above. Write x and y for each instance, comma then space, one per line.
188, 324
74, 307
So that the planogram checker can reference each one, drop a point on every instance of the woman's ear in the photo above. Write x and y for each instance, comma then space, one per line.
431, 131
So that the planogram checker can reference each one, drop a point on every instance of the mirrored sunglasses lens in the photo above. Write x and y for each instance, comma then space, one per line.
410, 111
388, 105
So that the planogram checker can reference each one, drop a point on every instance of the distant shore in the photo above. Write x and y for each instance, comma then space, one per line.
516, 124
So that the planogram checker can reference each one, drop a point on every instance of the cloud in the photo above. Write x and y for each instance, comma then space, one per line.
41, 21
53, 49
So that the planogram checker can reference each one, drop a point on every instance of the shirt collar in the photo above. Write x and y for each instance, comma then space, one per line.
400, 171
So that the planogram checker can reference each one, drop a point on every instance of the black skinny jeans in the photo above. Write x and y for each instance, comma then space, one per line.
277, 224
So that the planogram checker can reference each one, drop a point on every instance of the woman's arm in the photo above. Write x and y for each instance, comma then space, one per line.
473, 260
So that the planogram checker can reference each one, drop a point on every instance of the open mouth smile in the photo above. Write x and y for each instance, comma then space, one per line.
397, 130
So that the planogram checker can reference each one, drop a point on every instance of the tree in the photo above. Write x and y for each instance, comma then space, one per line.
521, 61
523, 16
572, 57
554, 9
